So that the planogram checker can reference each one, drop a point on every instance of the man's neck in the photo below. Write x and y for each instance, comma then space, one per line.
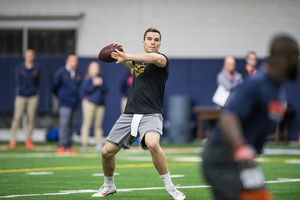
276, 74
69, 68
250, 67
28, 65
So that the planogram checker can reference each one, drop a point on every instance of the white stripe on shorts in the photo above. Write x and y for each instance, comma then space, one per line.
135, 124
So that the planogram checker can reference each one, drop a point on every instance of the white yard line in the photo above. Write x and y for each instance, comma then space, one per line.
64, 192
292, 161
101, 174
38, 173
281, 151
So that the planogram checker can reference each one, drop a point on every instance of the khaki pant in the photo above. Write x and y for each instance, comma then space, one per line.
92, 111
22, 103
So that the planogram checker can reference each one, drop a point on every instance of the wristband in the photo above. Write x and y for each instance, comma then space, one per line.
244, 152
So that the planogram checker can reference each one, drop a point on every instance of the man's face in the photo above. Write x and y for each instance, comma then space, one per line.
72, 61
251, 60
29, 56
151, 43
94, 69
229, 64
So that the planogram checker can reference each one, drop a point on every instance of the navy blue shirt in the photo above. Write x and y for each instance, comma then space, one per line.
27, 80
94, 94
259, 104
66, 88
126, 84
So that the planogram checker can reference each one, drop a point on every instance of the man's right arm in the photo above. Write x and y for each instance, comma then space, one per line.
127, 64
231, 129
232, 133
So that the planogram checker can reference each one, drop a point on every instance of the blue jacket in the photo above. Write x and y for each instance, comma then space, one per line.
94, 94
27, 81
67, 88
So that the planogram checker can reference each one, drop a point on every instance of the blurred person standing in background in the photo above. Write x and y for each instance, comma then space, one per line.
250, 68
93, 105
227, 79
228, 76
27, 85
66, 86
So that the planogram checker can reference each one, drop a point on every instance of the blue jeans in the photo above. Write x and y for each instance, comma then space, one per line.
67, 125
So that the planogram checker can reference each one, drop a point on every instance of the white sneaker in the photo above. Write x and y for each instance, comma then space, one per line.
104, 191
176, 194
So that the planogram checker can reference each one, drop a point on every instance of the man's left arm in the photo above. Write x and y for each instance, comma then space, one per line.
154, 58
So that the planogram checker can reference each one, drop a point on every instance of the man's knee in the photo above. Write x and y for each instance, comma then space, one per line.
106, 153
109, 151
152, 145
152, 141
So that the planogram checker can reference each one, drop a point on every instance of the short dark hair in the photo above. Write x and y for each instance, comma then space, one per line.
152, 30
283, 45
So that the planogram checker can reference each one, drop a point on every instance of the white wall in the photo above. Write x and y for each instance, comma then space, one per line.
190, 28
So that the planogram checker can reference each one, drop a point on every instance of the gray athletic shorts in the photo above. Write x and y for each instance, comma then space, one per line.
120, 134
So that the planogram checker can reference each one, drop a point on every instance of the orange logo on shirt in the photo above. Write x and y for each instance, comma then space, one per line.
276, 110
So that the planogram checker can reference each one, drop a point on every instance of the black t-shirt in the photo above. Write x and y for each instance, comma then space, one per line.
147, 90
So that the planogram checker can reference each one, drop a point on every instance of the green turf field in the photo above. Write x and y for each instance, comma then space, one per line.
42, 174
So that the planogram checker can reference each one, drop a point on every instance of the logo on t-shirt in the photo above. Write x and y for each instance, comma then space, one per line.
276, 110
78, 78
139, 69
35, 73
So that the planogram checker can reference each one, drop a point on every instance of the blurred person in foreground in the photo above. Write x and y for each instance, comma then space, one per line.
93, 105
143, 115
249, 116
27, 84
228, 77
66, 86
250, 69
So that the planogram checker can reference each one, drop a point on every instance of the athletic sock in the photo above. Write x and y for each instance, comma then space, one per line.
108, 181
167, 181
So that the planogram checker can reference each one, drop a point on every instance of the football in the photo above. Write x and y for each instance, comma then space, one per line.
105, 53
